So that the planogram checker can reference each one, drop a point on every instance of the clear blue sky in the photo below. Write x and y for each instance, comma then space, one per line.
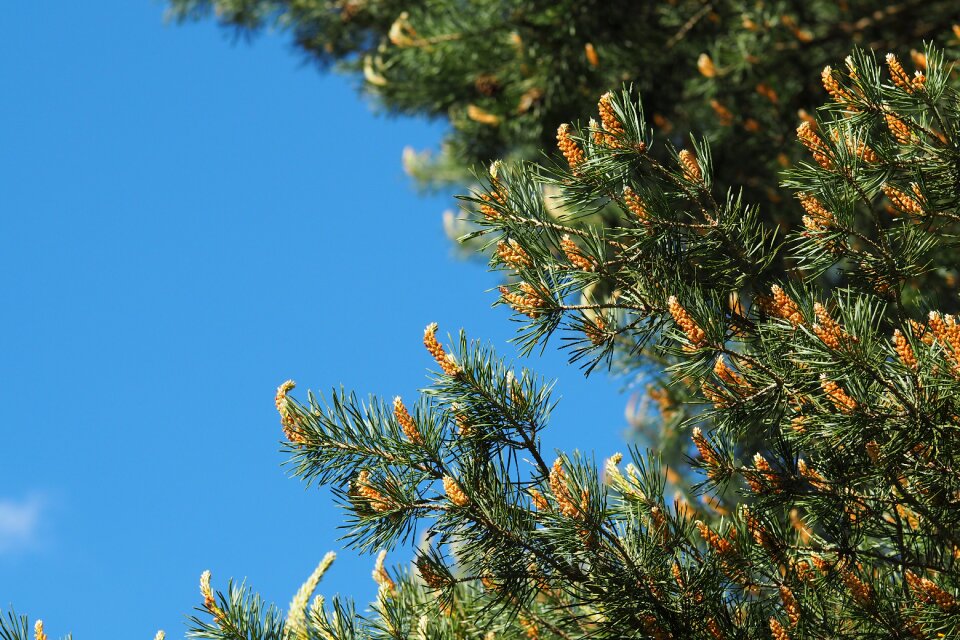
185, 222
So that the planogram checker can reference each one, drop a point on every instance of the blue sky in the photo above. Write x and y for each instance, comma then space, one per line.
185, 222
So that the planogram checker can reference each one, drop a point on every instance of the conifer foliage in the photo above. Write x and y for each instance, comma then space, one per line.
823, 418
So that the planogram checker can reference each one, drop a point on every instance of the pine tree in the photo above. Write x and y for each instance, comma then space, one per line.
823, 419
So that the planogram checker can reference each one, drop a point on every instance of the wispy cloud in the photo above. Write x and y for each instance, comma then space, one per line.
20, 522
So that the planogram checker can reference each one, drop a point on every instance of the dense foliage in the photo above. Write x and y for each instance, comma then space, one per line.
823, 420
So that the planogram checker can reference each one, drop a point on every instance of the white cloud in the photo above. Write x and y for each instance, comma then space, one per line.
19, 523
